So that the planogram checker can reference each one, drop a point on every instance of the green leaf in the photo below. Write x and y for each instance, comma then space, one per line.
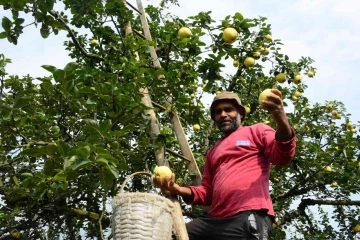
6, 24
27, 174
51, 149
34, 152
56, 185
90, 102
49, 68
69, 85
238, 16
12, 39
81, 164
71, 67
113, 171
59, 75
15, 14
49, 4
40, 190
18, 5
71, 175
21, 102
63, 148
3, 35
44, 31
91, 123
19, 21
102, 161
105, 126
69, 162
83, 152
47, 86
49, 167
106, 180
109, 158
64, 185
60, 177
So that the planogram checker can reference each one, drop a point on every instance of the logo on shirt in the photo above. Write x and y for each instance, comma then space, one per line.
242, 143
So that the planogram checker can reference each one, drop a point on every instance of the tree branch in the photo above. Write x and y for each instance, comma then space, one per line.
310, 223
296, 192
290, 216
119, 33
310, 202
72, 35
158, 105
178, 155
101, 217
207, 140
133, 7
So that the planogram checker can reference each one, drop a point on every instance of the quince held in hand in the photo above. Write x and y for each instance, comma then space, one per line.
263, 95
161, 172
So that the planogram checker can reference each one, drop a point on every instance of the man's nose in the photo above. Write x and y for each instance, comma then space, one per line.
223, 114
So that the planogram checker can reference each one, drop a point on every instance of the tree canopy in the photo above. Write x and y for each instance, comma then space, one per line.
69, 139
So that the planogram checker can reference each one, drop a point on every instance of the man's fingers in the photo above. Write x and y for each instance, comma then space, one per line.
269, 105
276, 92
165, 182
155, 181
172, 181
274, 98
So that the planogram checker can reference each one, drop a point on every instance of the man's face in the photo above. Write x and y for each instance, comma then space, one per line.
227, 117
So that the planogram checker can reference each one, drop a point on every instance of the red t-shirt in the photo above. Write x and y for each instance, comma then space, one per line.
237, 169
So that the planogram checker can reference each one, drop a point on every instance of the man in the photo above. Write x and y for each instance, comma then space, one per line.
236, 173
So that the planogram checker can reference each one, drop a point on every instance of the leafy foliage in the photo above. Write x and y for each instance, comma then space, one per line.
69, 139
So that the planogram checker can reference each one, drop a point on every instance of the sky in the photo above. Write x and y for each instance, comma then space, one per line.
325, 30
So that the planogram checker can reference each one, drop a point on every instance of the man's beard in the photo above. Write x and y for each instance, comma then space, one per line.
235, 123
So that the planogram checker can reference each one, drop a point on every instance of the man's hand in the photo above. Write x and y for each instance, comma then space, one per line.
169, 185
275, 106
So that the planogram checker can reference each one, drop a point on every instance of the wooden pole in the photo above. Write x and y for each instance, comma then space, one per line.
179, 223
176, 124
154, 127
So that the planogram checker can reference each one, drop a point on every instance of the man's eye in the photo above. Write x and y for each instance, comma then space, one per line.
228, 109
218, 111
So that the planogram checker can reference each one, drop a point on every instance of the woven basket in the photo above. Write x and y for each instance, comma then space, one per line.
141, 216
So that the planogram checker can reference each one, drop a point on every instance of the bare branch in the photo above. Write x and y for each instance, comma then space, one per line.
158, 105
139, 34
290, 216
101, 217
133, 7
206, 141
118, 31
310, 202
178, 155
296, 192
72, 35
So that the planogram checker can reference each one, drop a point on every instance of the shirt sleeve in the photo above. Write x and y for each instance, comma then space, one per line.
278, 153
203, 193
